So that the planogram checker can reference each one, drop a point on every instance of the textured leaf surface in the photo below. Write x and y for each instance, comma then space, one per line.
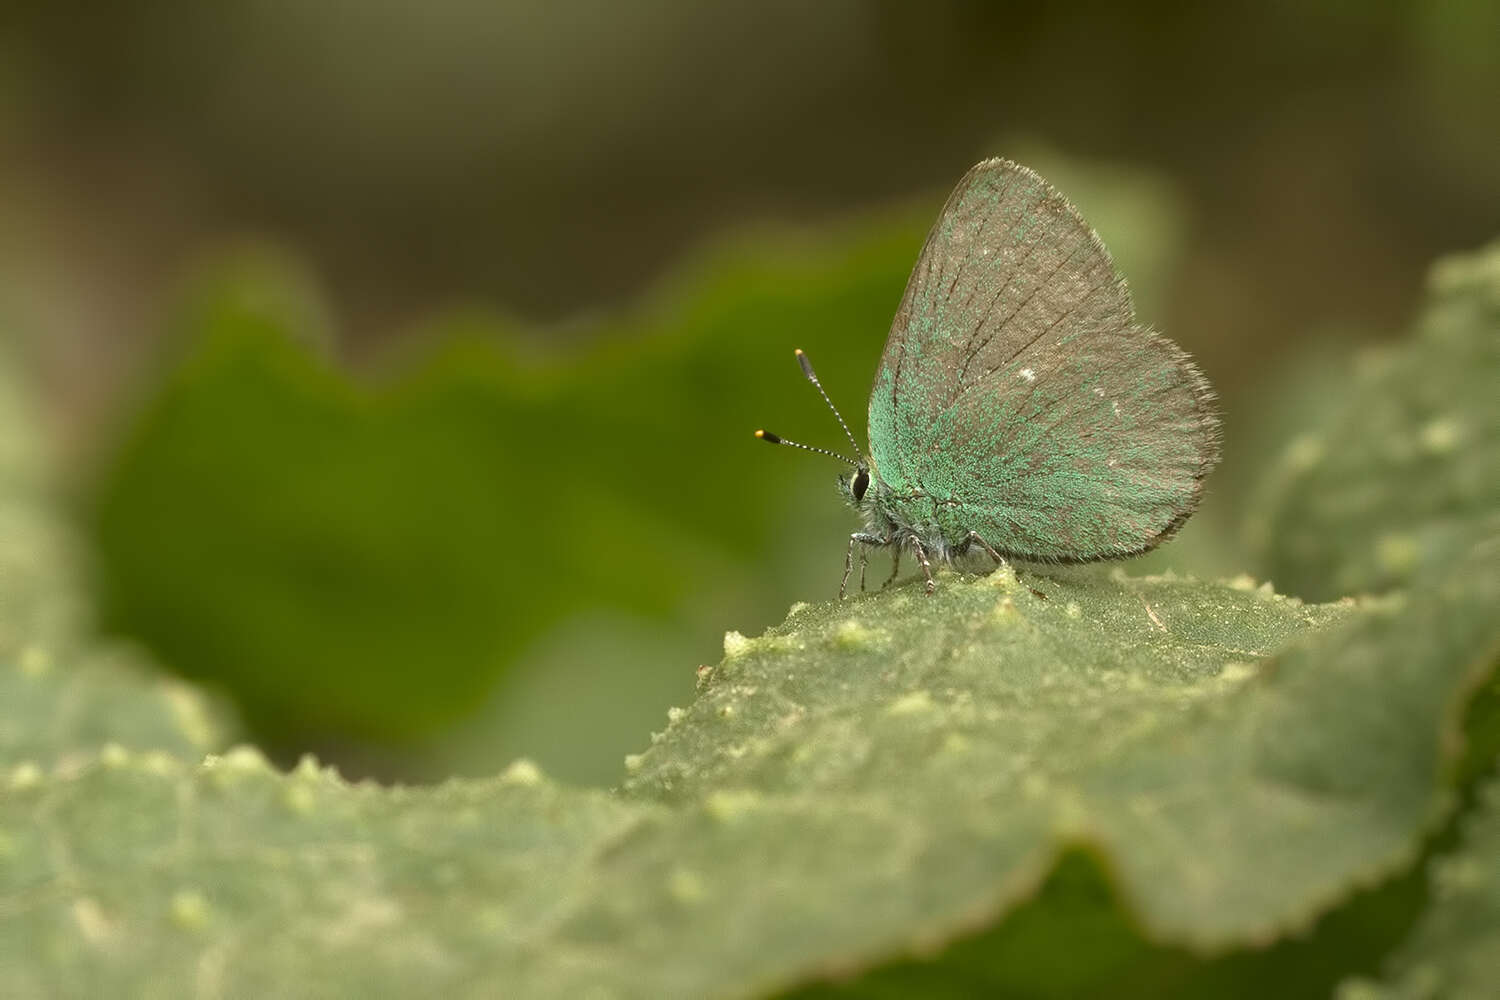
866, 780
869, 781
1364, 503
143, 876
1455, 952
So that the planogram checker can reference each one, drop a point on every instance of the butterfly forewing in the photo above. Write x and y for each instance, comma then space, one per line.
1019, 394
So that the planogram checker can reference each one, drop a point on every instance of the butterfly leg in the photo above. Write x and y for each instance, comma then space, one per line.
974, 537
895, 567
858, 538
926, 566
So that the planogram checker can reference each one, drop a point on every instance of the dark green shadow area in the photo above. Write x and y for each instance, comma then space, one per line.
380, 566
361, 560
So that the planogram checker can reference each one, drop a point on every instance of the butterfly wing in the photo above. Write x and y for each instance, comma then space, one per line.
1019, 394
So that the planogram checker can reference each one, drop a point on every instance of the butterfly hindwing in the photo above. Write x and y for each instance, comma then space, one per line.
1018, 392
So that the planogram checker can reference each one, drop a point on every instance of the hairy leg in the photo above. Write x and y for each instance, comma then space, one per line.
926, 566
858, 538
974, 537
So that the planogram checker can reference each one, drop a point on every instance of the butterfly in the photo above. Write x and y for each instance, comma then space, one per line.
1019, 409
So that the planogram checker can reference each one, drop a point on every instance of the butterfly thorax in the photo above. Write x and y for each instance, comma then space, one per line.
906, 514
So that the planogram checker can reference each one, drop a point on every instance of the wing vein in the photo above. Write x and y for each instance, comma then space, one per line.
964, 369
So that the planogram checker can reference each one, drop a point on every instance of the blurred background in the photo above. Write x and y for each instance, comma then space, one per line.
403, 358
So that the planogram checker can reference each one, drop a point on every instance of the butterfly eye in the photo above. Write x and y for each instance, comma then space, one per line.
860, 484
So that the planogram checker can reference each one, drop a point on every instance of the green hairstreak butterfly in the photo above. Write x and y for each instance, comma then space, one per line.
1019, 410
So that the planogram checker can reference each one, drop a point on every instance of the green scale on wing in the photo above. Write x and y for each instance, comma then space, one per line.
1019, 400
1019, 407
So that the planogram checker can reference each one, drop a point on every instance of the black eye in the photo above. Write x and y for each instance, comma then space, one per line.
860, 484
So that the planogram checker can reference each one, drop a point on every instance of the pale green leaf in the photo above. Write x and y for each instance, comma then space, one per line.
1411, 463
868, 780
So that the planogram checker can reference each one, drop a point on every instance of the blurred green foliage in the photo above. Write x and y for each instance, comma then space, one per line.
1134, 785
361, 559
1455, 951
1318, 525
424, 549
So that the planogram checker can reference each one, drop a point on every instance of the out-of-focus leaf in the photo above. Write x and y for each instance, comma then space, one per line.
1455, 952
362, 561
1412, 462
63, 695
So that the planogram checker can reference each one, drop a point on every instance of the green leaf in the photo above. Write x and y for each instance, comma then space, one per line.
63, 694
302, 536
144, 876
64, 702
869, 780
849, 794
1369, 501
1455, 952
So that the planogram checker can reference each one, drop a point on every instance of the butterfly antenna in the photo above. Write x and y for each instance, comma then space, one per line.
777, 439
812, 376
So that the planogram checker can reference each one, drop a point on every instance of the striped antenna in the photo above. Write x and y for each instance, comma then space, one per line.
812, 376
777, 439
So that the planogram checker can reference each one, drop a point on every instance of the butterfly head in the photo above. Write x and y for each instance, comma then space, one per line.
855, 487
